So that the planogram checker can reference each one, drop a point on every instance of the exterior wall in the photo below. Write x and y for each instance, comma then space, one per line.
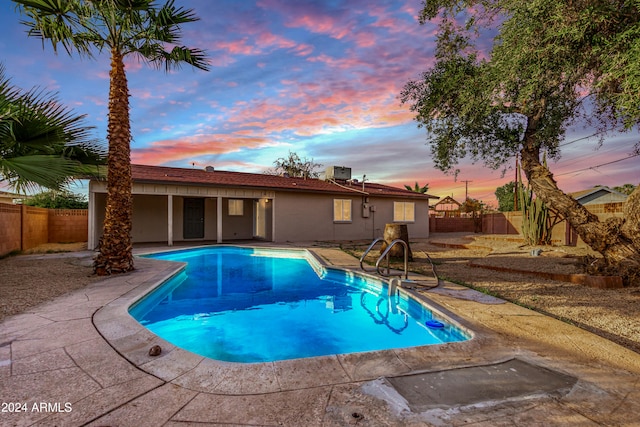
10, 228
268, 215
237, 227
302, 217
68, 225
98, 214
150, 218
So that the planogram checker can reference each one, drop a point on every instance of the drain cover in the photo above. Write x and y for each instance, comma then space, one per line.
465, 386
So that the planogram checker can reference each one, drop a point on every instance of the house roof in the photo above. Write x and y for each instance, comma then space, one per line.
448, 201
162, 174
578, 195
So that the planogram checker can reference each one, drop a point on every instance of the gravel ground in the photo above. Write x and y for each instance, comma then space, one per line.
28, 280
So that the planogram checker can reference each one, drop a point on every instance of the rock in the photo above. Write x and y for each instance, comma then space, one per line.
155, 350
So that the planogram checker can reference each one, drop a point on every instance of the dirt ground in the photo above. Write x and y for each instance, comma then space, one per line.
28, 280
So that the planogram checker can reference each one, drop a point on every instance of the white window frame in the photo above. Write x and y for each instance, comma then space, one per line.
404, 212
236, 207
342, 211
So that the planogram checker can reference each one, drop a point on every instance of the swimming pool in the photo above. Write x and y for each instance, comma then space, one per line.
248, 305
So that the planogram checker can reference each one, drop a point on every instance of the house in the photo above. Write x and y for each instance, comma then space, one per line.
176, 204
447, 207
598, 195
11, 198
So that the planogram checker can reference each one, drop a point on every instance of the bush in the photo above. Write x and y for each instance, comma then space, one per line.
58, 200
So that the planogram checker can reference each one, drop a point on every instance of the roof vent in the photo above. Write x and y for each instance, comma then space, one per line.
209, 168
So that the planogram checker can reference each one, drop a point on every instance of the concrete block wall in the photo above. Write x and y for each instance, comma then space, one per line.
10, 228
68, 225
25, 227
35, 227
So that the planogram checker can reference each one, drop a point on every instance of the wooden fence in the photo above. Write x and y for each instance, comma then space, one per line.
25, 227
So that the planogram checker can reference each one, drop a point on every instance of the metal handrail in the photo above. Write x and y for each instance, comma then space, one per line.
378, 239
386, 254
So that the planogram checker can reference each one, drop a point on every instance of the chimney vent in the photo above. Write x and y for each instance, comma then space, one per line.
209, 169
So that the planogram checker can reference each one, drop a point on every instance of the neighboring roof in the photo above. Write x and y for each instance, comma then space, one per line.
9, 194
162, 174
598, 193
448, 201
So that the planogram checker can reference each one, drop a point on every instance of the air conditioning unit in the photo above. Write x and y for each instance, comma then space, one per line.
338, 173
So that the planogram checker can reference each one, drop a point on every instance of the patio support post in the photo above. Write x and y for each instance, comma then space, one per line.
91, 233
219, 219
170, 219
273, 219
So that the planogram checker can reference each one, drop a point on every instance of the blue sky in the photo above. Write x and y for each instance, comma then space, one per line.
320, 78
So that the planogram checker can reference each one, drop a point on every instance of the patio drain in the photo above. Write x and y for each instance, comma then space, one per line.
466, 386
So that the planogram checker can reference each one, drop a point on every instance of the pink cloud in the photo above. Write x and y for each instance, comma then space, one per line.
165, 151
237, 47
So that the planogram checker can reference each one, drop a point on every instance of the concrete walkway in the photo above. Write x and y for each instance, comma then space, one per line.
82, 360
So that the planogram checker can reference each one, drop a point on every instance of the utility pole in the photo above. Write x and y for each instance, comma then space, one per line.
466, 189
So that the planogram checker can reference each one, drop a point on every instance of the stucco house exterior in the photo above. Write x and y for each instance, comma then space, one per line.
177, 204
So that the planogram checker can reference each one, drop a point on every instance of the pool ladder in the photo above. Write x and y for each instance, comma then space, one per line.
385, 254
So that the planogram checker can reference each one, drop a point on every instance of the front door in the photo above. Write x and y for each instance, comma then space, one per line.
193, 226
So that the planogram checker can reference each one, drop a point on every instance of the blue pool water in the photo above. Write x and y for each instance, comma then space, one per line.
258, 305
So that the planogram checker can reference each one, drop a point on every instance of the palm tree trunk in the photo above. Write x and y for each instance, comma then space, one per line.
617, 239
116, 254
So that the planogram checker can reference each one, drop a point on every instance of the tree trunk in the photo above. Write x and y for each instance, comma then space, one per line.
393, 232
116, 254
617, 239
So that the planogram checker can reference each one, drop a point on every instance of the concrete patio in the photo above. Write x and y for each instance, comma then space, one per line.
82, 360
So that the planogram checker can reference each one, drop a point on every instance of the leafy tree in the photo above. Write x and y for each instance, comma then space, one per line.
295, 167
505, 196
551, 63
42, 143
58, 200
417, 189
625, 189
121, 27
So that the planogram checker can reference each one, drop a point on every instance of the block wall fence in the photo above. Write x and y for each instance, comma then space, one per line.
511, 223
25, 227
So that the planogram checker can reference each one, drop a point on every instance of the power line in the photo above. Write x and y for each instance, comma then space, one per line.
597, 166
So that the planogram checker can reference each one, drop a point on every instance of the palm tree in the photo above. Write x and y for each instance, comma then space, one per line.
417, 188
122, 27
42, 143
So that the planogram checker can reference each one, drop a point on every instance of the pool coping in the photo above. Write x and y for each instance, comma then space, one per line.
183, 368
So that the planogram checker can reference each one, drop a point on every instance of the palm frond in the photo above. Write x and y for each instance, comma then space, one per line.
29, 172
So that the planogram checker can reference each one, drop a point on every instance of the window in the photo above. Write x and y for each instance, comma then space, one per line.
236, 207
342, 210
404, 212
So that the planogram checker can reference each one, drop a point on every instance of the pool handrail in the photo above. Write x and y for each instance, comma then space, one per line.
385, 254
366, 252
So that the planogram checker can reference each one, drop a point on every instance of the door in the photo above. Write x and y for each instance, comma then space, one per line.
193, 225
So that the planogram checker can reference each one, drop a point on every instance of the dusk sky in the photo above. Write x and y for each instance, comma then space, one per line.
319, 78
